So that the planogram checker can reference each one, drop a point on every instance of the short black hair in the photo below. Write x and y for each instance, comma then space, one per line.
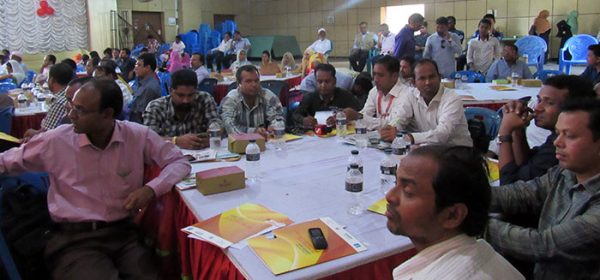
107, 51
391, 63
245, 68
144, 49
363, 22
199, 55
94, 54
576, 86
61, 73
595, 49
416, 17
108, 69
451, 18
111, 95
126, 50
442, 21
52, 58
512, 46
267, 53
80, 81
116, 49
485, 21
325, 67
410, 59
178, 37
238, 32
184, 77
491, 17
364, 81
590, 106
149, 60
150, 36
85, 57
462, 177
427, 61
70, 62
228, 33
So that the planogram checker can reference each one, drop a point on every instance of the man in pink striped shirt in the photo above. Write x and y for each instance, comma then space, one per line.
96, 168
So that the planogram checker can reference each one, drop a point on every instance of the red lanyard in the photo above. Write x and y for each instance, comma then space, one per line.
387, 110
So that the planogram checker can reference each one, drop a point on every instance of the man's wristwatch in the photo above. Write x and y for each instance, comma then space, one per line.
505, 139
174, 140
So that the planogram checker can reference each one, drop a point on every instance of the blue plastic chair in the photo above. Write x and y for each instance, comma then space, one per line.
278, 87
204, 28
545, 74
535, 48
6, 86
490, 118
208, 85
6, 116
472, 77
30, 76
164, 79
577, 46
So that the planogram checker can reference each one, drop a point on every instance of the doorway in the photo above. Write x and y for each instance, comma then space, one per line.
147, 23
218, 19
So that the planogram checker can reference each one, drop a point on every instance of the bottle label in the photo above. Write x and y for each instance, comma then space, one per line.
252, 157
213, 134
388, 170
341, 122
279, 132
354, 187
360, 168
361, 130
399, 151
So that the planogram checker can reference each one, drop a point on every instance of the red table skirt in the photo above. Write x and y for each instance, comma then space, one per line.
220, 91
20, 124
491, 106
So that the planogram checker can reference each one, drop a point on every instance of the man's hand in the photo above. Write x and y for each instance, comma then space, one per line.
330, 121
515, 106
262, 131
192, 142
351, 114
139, 198
512, 121
387, 133
30, 133
309, 122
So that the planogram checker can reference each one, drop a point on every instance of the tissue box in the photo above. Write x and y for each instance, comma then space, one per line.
448, 83
530, 83
218, 180
237, 142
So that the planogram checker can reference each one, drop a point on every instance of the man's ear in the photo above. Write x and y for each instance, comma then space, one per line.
453, 216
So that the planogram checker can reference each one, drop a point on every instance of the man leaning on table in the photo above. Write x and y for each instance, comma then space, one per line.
96, 170
60, 75
180, 116
441, 202
517, 161
566, 242
249, 108
325, 96
385, 99
432, 113
503, 68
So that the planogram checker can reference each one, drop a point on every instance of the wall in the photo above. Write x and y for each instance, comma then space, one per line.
167, 7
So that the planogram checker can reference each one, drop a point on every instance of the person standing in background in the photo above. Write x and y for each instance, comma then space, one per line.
541, 27
420, 41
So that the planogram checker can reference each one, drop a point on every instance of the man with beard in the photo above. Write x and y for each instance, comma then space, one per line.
182, 114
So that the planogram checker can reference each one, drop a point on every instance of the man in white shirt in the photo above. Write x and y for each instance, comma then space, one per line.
219, 53
197, 63
432, 113
484, 49
385, 43
238, 43
385, 99
407, 71
441, 202
178, 46
322, 44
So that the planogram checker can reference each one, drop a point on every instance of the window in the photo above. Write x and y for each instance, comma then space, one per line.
397, 16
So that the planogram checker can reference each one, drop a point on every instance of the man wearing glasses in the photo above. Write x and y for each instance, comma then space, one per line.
442, 46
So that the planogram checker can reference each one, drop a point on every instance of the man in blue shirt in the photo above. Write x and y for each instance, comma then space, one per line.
592, 71
405, 40
442, 46
503, 68
452, 28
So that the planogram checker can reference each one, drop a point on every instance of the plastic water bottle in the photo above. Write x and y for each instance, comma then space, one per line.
22, 100
252, 161
214, 134
457, 81
354, 186
355, 159
464, 79
361, 133
526, 58
514, 77
400, 146
341, 128
279, 132
387, 177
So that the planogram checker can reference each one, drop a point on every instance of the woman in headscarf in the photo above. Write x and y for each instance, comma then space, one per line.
572, 21
288, 61
541, 27
267, 67
178, 61
14, 72
240, 61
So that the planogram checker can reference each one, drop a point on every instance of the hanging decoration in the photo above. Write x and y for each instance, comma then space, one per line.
45, 9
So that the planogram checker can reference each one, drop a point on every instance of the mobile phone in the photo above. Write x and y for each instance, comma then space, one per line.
317, 238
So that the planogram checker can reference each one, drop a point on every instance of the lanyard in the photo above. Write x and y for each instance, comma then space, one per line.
387, 110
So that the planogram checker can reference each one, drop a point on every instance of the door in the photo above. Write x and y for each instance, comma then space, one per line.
218, 19
147, 23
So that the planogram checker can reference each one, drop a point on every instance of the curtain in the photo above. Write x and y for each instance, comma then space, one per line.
23, 30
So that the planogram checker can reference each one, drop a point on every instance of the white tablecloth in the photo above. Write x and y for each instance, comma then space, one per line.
483, 93
31, 110
304, 184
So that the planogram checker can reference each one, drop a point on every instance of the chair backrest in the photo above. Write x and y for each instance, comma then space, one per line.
545, 74
30, 76
6, 86
165, 82
534, 47
472, 77
208, 85
6, 116
278, 87
578, 45
232, 86
490, 118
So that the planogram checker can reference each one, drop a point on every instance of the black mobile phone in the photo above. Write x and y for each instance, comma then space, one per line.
317, 238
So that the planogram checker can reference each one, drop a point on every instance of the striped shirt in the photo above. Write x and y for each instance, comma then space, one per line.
238, 117
56, 112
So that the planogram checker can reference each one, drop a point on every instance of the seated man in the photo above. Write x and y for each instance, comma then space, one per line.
322, 45
185, 112
309, 83
433, 113
326, 95
385, 42
407, 71
441, 202
517, 161
148, 87
218, 54
503, 68
565, 243
197, 64
592, 71
364, 41
249, 108
59, 76
126, 64
73, 86
381, 107
96, 170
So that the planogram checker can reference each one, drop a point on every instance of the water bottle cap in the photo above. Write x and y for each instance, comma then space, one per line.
399, 134
354, 152
354, 166
252, 140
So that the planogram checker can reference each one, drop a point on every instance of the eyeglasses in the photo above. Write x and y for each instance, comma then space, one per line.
78, 111
443, 41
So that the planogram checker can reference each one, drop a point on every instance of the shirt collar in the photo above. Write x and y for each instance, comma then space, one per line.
259, 99
117, 136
